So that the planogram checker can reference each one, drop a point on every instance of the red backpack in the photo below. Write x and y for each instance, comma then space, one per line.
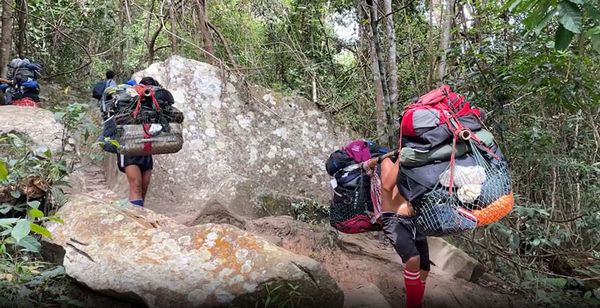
438, 107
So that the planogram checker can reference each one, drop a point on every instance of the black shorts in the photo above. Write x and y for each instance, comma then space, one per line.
144, 162
406, 239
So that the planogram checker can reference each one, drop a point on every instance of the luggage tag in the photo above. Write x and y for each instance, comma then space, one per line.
333, 183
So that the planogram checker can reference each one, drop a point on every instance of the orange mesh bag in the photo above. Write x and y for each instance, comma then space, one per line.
495, 211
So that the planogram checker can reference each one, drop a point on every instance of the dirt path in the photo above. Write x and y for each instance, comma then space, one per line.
365, 267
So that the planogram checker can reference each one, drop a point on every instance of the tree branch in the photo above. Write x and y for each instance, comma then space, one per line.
224, 41
395, 11
57, 29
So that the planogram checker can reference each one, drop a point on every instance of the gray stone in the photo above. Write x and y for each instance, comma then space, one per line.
37, 123
130, 252
242, 144
453, 261
364, 296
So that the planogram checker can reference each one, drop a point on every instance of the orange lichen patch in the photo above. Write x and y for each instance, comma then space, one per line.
147, 260
495, 211
198, 239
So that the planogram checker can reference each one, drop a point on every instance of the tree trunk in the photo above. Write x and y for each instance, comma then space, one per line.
22, 23
6, 41
173, 27
392, 68
118, 60
150, 40
387, 136
447, 19
365, 35
203, 29
431, 45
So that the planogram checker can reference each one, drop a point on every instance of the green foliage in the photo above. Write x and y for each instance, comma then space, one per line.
573, 16
26, 282
310, 211
284, 295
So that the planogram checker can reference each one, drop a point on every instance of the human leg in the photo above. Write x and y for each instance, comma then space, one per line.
134, 178
425, 264
146, 165
145, 182
401, 232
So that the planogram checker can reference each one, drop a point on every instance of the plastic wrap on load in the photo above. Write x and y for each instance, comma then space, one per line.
134, 140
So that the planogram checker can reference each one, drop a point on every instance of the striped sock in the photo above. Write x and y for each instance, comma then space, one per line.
412, 284
138, 202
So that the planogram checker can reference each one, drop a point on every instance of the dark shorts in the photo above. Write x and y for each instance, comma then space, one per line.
144, 162
406, 239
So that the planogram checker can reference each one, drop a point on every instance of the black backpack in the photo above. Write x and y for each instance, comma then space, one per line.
351, 207
98, 89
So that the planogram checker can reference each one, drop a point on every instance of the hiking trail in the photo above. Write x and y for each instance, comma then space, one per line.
365, 267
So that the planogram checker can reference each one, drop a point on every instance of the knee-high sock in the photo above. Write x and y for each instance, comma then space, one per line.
412, 284
422, 290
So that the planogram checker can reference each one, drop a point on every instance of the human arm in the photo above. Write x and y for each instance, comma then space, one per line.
389, 174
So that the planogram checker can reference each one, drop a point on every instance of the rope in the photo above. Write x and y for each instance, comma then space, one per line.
144, 91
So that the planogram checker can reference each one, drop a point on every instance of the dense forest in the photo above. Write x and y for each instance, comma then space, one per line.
533, 65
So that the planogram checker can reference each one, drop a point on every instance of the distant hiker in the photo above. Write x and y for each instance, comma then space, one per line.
101, 85
138, 169
21, 87
398, 222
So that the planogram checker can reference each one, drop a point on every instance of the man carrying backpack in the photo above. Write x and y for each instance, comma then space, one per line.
398, 222
100, 86
357, 205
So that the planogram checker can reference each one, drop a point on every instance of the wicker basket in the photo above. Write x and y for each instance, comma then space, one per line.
132, 141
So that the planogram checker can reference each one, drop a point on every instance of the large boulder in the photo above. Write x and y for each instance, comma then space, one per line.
248, 148
453, 261
145, 257
38, 124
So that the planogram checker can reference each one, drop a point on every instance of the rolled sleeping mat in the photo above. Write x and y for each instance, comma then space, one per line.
133, 140
171, 115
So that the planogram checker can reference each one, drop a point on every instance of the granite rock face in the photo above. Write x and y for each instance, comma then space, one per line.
133, 253
38, 124
246, 147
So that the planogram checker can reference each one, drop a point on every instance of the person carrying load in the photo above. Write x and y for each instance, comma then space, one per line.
140, 118
448, 176
21, 87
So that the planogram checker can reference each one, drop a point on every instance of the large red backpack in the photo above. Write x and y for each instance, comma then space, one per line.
461, 191
440, 106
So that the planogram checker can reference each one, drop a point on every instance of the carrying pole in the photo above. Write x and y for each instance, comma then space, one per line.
369, 164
